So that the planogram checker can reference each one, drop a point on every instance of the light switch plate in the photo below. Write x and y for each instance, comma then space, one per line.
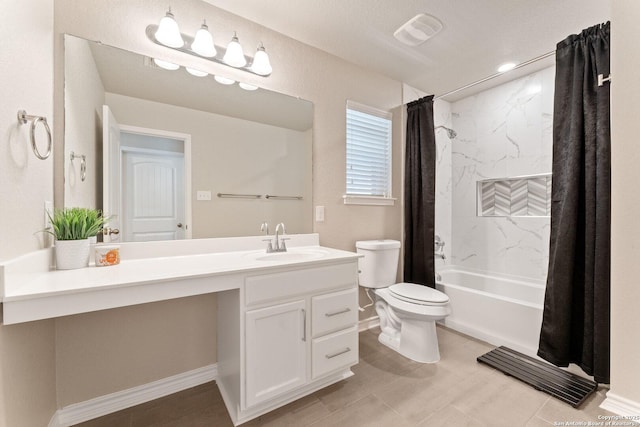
319, 213
203, 195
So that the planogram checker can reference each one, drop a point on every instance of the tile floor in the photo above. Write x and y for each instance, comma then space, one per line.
386, 390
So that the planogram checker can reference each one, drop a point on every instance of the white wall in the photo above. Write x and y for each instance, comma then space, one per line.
26, 81
625, 209
27, 363
503, 132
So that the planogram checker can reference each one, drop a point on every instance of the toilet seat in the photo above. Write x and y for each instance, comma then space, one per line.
418, 294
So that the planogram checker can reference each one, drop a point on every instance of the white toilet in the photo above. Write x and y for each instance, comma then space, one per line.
407, 311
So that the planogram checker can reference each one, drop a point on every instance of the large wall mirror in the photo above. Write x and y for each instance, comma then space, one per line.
171, 155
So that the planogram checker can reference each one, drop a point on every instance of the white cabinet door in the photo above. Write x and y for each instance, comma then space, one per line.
276, 350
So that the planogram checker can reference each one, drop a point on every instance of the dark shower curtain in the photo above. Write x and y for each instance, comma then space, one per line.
420, 193
575, 326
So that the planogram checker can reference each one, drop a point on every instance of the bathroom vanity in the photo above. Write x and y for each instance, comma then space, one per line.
293, 330
287, 322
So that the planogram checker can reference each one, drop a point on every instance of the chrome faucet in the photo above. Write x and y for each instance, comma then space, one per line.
278, 245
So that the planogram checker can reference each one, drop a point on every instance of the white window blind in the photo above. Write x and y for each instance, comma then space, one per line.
368, 151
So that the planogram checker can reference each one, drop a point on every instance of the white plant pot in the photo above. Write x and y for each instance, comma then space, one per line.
71, 254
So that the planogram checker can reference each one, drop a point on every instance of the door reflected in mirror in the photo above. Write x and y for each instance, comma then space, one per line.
172, 142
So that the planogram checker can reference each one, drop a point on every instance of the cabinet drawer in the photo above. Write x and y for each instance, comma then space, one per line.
334, 351
334, 311
287, 284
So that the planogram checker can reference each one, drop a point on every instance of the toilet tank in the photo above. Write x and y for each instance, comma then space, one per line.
379, 265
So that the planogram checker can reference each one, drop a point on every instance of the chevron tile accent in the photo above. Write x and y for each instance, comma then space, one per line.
522, 196
502, 198
519, 197
488, 191
537, 196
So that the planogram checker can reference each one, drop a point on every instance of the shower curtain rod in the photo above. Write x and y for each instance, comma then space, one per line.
493, 76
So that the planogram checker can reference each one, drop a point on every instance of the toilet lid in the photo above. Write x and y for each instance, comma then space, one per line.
418, 293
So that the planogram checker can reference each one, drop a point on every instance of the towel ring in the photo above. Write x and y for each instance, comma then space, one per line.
83, 164
23, 117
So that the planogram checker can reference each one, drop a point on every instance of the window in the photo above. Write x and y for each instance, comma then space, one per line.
368, 155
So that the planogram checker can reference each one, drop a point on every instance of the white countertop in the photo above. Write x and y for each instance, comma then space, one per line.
41, 294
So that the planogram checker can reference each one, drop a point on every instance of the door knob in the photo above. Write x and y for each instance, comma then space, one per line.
110, 231
179, 225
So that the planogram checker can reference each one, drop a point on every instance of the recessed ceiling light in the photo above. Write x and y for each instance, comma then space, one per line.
418, 29
506, 67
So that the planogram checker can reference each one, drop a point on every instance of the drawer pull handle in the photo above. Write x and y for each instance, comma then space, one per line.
331, 356
335, 313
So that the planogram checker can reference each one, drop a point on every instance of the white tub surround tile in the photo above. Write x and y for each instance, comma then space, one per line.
502, 132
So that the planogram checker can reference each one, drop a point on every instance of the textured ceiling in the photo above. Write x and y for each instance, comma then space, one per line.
478, 35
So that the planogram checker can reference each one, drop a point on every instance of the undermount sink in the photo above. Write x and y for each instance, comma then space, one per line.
292, 255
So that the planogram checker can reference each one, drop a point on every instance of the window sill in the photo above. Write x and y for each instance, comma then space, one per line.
368, 200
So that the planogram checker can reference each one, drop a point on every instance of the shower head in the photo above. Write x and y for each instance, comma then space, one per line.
450, 132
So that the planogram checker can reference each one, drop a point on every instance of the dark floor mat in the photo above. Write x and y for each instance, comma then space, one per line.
569, 388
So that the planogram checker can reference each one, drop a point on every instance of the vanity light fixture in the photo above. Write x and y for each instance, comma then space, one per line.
203, 42
195, 72
261, 64
234, 55
201, 45
224, 80
153, 62
166, 64
247, 86
168, 32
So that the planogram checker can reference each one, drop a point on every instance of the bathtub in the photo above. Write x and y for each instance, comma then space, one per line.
499, 310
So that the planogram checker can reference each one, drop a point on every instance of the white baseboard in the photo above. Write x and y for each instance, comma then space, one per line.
369, 323
622, 406
107, 404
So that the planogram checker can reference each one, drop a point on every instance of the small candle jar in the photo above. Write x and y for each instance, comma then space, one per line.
106, 255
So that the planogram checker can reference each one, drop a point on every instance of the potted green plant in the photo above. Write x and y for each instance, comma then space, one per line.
72, 229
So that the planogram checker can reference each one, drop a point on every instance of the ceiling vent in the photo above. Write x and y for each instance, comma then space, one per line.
418, 30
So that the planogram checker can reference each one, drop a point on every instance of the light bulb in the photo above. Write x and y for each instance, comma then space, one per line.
224, 80
166, 64
247, 86
234, 55
261, 64
195, 72
203, 42
168, 32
